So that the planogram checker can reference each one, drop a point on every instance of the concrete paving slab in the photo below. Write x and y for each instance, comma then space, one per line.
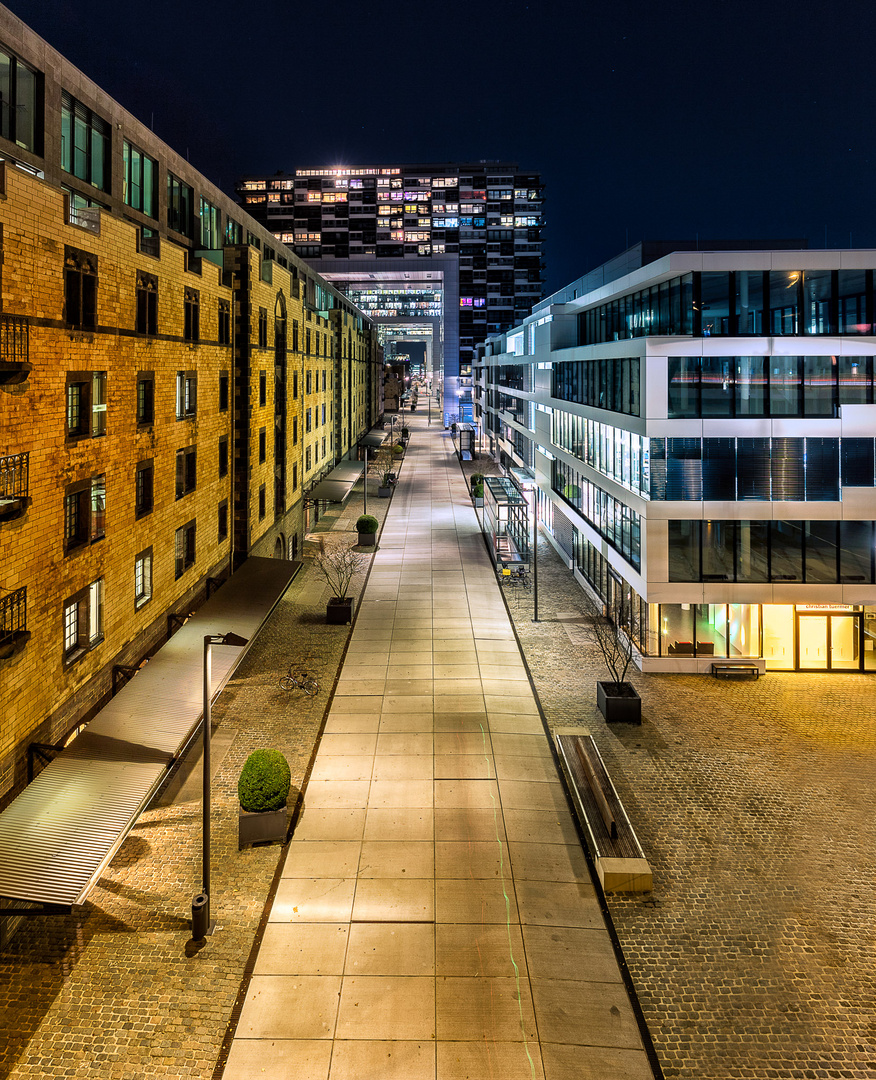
389, 1060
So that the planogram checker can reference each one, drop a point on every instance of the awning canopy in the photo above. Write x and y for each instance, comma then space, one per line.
61, 832
331, 491
337, 485
347, 471
373, 439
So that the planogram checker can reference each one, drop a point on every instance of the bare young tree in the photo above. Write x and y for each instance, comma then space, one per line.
338, 566
615, 642
385, 464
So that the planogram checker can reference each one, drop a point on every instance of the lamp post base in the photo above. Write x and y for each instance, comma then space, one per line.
202, 925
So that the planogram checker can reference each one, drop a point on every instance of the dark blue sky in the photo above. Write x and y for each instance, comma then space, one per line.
727, 120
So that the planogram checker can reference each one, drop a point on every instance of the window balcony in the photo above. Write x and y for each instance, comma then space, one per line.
14, 497
84, 217
14, 634
14, 349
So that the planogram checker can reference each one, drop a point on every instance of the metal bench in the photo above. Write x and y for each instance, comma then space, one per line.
733, 671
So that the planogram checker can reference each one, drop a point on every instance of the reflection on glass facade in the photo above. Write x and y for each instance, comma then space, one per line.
612, 519
607, 383
811, 552
813, 469
738, 303
615, 452
704, 386
622, 603
665, 309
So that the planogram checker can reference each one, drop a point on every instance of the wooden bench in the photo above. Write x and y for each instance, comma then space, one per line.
733, 671
620, 861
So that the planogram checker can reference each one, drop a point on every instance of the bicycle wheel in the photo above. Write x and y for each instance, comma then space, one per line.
310, 687
287, 683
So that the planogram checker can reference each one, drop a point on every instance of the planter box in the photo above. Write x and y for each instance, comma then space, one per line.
367, 539
339, 611
257, 828
384, 492
618, 708
478, 501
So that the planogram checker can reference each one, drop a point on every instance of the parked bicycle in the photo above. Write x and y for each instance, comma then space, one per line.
517, 578
300, 680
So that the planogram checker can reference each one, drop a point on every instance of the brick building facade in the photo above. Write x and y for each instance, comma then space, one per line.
172, 385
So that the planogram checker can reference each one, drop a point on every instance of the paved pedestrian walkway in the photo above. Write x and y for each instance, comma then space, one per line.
435, 919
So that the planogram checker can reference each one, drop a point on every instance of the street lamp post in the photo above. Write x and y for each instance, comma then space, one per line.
365, 483
201, 923
535, 617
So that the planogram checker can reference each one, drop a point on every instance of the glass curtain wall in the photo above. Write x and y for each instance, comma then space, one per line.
780, 303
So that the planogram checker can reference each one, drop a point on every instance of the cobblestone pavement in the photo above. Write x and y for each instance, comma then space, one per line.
117, 989
755, 954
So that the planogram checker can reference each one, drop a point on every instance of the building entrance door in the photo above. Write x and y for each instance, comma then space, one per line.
829, 642
812, 643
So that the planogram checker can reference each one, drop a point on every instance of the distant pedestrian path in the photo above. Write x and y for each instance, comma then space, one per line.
435, 919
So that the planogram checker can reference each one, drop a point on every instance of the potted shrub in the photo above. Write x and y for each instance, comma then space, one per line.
616, 699
477, 493
338, 566
263, 791
476, 480
366, 527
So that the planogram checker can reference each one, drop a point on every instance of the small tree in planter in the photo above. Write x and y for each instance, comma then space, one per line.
367, 526
385, 466
263, 791
617, 699
338, 566
477, 493
476, 480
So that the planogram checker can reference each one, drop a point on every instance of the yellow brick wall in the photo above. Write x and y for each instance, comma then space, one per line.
43, 695
38, 689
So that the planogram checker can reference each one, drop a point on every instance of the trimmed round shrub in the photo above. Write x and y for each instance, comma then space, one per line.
366, 523
478, 491
264, 781
405, 433
398, 450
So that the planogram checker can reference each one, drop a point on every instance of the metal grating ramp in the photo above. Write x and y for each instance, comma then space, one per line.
60, 833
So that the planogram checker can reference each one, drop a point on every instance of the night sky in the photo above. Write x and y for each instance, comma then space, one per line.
724, 120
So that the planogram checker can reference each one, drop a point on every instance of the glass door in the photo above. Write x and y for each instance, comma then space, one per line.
845, 634
829, 642
812, 648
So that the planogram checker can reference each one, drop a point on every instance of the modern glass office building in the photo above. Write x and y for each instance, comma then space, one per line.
701, 429
449, 253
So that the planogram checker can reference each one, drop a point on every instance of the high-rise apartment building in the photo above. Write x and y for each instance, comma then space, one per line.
448, 253
172, 384
700, 429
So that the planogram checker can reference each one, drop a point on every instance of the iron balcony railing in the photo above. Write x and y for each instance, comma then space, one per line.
14, 339
14, 476
13, 614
